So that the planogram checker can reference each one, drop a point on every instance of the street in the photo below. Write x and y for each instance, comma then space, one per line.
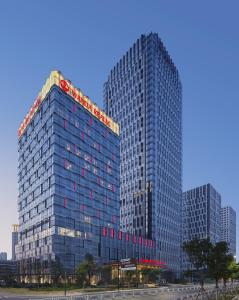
163, 293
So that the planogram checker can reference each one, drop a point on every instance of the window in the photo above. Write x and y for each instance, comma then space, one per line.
120, 235
112, 233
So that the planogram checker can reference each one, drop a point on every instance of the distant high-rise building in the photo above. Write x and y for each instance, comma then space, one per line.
143, 94
228, 228
8, 268
201, 215
3, 255
14, 240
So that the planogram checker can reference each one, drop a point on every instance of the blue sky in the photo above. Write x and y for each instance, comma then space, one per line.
84, 39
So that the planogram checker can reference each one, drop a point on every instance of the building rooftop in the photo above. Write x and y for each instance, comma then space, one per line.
56, 78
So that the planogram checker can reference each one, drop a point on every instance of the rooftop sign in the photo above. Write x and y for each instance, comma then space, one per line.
56, 78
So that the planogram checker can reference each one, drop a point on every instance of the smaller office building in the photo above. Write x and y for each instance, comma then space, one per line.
8, 271
200, 216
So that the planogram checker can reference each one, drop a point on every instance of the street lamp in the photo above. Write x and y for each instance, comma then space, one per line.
65, 265
118, 275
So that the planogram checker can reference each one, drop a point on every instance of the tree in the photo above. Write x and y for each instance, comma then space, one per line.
219, 261
150, 275
198, 251
145, 272
234, 270
188, 274
230, 269
154, 275
104, 272
129, 276
86, 270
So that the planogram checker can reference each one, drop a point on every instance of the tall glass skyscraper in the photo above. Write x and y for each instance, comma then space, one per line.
68, 178
69, 184
143, 94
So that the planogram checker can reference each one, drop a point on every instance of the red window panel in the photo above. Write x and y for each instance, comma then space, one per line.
65, 202
82, 207
105, 231
146, 242
120, 235
91, 194
98, 147
127, 237
140, 240
113, 188
75, 186
83, 136
134, 239
83, 172
74, 108
65, 123
112, 233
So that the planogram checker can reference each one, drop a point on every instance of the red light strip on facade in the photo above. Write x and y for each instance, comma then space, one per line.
152, 262
104, 231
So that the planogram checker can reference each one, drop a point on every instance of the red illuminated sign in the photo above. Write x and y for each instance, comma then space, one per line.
152, 262
56, 78
83, 101
64, 86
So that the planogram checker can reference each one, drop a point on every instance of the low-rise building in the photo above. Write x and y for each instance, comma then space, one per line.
3, 256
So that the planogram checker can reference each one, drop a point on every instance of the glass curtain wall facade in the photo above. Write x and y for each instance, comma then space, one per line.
143, 93
201, 216
228, 228
68, 183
